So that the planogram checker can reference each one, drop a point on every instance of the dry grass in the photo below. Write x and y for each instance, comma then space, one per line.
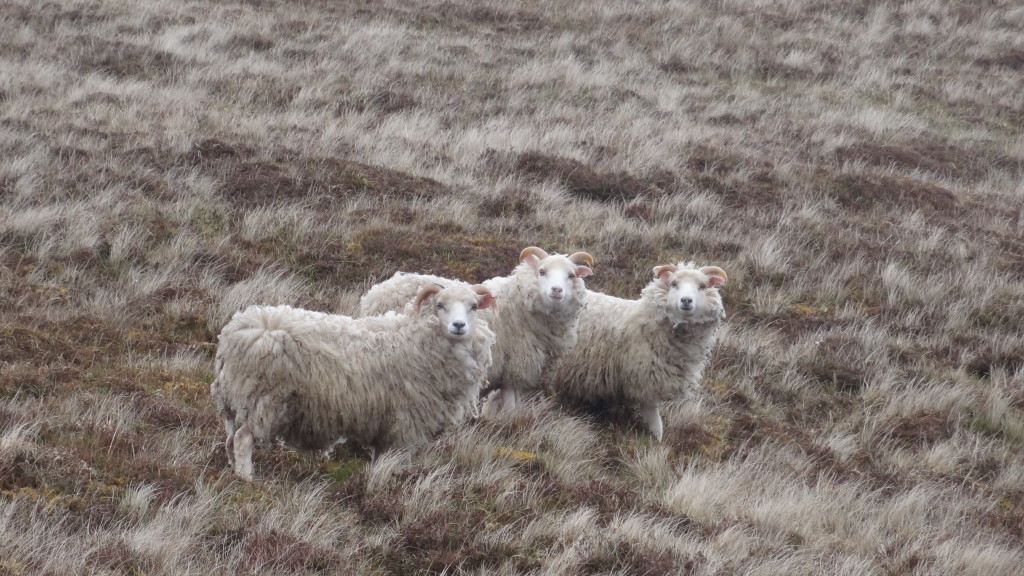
856, 167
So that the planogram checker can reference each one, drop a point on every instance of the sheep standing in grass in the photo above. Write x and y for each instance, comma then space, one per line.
540, 306
313, 380
647, 351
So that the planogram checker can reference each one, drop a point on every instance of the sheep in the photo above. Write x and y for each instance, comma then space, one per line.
647, 351
313, 380
540, 305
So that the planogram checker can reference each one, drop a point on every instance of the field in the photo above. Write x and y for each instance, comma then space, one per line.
856, 167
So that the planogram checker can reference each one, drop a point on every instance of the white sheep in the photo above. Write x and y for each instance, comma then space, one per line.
313, 380
647, 351
540, 305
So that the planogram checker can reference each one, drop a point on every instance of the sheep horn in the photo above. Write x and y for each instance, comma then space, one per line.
540, 254
666, 269
426, 292
715, 271
578, 256
487, 299
481, 290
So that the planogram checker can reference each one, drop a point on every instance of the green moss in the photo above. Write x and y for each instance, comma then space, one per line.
342, 472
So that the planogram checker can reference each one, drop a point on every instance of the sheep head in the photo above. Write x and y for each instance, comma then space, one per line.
559, 278
456, 306
690, 293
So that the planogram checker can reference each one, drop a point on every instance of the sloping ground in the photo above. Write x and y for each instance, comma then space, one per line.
855, 167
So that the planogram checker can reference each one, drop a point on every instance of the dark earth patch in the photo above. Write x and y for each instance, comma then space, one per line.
123, 59
867, 191
271, 549
253, 179
1010, 58
839, 364
738, 181
923, 428
513, 203
453, 255
581, 180
938, 158
445, 538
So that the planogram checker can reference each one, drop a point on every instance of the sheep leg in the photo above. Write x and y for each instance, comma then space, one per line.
653, 419
491, 403
508, 398
229, 443
329, 451
243, 452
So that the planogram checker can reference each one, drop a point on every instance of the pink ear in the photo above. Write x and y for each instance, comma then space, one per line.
583, 271
486, 301
715, 281
532, 260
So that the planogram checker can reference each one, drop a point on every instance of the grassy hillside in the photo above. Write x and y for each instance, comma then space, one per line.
856, 167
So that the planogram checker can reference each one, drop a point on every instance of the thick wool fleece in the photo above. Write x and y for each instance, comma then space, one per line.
631, 352
311, 379
532, 336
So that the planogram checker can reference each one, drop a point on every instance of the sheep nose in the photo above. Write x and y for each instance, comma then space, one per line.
459, 325
686, 302
556, 289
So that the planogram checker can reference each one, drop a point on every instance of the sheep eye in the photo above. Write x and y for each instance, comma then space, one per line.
542, 272
675, 284
474, 307
440, 306
703, 286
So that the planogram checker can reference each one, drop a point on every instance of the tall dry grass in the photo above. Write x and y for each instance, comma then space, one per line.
856, 167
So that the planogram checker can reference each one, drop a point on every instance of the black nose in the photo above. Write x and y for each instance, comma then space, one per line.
686, 302
459, 325
556, 290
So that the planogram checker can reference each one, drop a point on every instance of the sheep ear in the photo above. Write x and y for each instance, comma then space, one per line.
487, 299
716, 276
424, 293
664, 272
581, 257
532, 256
583, 271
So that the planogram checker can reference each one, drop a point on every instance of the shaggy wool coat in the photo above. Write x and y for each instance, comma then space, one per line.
532, 338
312, 379
631, 352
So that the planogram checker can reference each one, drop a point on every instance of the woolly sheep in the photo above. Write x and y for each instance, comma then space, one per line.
647, 351
313, 380
540, 306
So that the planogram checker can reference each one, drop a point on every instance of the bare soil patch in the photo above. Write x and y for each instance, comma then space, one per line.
252, 179
581, 180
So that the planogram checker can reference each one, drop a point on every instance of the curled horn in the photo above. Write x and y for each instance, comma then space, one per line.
666, 269
481, 290
715, 271
540, 254
426, 292
582, 256
487, 298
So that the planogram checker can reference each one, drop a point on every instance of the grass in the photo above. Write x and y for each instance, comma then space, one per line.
855, 167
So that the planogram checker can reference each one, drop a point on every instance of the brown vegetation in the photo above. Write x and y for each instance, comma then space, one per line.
856, 167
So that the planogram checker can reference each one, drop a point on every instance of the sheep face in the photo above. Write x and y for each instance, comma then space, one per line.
558, 278
456, 307
690, 293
